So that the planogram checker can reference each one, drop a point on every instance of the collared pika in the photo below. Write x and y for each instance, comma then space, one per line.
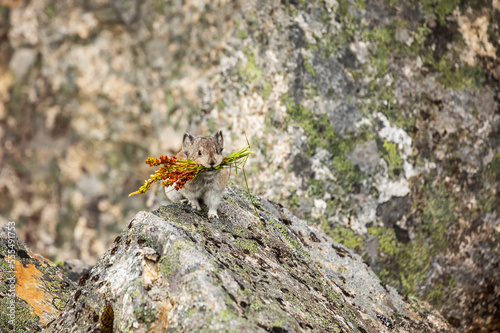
208, 185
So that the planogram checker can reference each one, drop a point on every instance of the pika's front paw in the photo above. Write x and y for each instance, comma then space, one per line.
194, 204
212, 214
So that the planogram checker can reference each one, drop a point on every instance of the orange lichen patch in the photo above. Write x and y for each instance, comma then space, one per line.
31, 289
165, 311
413, 315
44, 261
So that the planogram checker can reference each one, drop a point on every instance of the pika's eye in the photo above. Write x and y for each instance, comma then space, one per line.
199, 152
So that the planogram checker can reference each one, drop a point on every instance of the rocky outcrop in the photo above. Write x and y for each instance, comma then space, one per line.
175, 270
74, 269
33, 290
376, 120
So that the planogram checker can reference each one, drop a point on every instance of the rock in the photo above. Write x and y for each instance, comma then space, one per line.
74, 269
349, 106
40, 288
175, 270
21, 61
127, 10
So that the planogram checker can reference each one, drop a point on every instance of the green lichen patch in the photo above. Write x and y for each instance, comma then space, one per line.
58, 303
251, 71
241, 34
382, 38
50, 11
226, 315
146, 314
309, 67
287, 237
458, 78
176, 214
391, 156
266, 90
159, 6
248, 246
440, 8
344, 236
407, 264
320, 134
441, 294
169, 264
24, 314
437, 216
410, 261
59, 264
420, 35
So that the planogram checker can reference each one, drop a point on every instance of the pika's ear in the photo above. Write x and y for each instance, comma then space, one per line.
187, 141
220, 140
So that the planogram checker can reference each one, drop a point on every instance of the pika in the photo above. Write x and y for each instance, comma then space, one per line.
207, 185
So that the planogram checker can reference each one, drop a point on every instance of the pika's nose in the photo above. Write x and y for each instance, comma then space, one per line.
212, 163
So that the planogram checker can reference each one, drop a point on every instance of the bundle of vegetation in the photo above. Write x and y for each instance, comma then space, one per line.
175, 172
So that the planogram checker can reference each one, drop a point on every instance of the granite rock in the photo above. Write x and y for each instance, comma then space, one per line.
173, 269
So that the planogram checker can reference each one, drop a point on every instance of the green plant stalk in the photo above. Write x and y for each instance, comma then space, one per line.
248, 188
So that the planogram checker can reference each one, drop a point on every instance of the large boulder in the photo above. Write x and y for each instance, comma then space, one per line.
174, 270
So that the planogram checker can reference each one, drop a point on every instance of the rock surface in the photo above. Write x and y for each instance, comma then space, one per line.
41, 289
174, 270
377, 120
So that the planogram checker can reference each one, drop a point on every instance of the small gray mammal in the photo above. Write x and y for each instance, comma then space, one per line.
207, 185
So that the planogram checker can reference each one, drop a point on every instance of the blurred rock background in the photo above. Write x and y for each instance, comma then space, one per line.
377, 120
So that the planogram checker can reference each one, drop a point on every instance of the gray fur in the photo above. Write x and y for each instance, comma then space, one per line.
208, 185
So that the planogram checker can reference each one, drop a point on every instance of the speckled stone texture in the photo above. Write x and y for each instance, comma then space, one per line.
174, 270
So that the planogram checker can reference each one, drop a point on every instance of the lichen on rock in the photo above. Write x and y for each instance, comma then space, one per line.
40, 292
175, 270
